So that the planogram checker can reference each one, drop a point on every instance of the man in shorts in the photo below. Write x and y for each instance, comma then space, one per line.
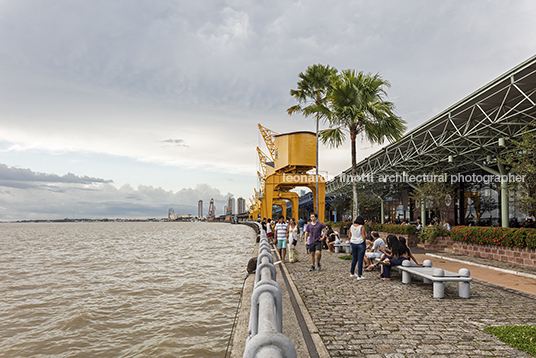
281, 237
375, 251
314, 231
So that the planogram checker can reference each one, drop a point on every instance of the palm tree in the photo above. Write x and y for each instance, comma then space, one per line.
356, 105
311, 95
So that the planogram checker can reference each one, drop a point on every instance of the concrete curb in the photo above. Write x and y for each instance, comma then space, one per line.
484, 266
313, 330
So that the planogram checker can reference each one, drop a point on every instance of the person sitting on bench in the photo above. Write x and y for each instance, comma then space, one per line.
375, 252
402, 241
399, 255
388, 252
332, 239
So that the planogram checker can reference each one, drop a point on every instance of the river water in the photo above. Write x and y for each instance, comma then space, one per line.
110, 289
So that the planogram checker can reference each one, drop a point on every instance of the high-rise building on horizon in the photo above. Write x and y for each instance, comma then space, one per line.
241, 203
200, 209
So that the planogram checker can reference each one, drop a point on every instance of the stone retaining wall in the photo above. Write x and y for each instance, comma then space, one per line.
508, 254
441, 243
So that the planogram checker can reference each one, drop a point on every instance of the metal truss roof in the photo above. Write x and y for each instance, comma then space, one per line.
464, 135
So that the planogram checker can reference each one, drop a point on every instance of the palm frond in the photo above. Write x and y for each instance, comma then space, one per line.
334, 137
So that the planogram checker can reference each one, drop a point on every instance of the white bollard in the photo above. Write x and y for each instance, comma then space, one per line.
464, 289
406, 276
439, 287
426, 263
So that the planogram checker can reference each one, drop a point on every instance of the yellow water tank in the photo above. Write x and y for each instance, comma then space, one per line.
295, 151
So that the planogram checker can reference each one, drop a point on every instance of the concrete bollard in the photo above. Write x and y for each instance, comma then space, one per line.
464, 289
439, 287
406, 276
426, 263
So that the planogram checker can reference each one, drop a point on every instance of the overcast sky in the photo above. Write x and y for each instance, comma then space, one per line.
127, 108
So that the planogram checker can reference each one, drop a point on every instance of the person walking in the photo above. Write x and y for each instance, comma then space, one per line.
357, 237
281, 237
313, 233
269, 233
301, 226
292, 234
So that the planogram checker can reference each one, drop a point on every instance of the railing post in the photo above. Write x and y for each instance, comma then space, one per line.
266, 317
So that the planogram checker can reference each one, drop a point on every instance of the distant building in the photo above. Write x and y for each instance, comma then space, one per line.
172, 215
230, 209
200, 209
241, 202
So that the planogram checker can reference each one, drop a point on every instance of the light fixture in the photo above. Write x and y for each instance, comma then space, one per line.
451, 158
501, 142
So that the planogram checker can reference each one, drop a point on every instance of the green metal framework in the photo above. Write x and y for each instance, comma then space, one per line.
462, 137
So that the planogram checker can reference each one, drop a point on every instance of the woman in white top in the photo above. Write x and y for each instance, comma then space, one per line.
292, 234
357, 243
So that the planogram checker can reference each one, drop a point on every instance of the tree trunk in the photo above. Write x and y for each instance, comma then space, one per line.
353, 136
316, 174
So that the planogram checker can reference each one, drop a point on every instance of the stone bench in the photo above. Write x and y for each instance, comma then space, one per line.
436, 276
344, 247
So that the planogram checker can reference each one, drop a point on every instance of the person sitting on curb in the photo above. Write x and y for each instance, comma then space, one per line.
375, 252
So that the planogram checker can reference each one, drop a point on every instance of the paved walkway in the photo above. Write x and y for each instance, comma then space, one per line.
373, 318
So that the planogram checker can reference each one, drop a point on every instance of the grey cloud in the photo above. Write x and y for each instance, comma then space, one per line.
103, 200
11, 176
175, 142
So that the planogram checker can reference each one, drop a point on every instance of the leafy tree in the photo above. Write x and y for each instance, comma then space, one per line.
369, 205
521, 159
356, 105
487, 205
311, 95
340, 203
436, 196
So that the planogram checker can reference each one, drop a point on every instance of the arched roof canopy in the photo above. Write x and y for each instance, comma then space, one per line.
461, 138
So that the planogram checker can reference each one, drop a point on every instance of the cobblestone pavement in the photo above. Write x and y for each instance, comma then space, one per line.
374, 318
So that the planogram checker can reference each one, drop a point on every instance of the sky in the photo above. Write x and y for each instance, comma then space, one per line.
126, 108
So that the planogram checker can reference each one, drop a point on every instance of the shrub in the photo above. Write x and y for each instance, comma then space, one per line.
393, 229
431, 233
331, 223
497, 236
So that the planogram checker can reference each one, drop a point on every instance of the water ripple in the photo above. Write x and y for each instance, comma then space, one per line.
120, 289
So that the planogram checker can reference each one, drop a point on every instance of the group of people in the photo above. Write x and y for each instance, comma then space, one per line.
287, 235
365, 248
283, 234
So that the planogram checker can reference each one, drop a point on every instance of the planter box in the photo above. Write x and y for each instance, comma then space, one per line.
442, 243
501, 253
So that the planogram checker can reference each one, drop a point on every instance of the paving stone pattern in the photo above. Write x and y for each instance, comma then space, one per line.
374, 318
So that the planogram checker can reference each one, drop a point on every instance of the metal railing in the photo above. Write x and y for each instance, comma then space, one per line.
266, 318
